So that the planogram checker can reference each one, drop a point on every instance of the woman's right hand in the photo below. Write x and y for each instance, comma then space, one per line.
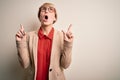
21, 34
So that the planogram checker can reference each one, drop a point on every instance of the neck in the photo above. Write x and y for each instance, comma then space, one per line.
46, 29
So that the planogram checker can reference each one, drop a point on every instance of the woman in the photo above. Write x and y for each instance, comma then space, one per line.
45, 53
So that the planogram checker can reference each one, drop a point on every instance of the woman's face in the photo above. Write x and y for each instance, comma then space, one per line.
47, 15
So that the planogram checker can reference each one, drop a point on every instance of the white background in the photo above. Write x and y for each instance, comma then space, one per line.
96, 28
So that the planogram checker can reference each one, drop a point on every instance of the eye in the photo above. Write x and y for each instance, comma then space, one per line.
43, 9
51, 9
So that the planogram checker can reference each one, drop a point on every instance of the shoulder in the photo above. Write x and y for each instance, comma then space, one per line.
58, 32
58, 35
32, 34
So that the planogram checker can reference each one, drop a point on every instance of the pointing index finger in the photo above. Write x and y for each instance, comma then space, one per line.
22, 29
69, 28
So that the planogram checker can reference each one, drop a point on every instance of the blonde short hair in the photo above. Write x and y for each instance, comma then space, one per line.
48, 4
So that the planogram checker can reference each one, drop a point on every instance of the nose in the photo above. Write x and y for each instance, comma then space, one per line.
47, 10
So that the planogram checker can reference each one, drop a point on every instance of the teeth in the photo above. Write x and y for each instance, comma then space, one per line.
46, 17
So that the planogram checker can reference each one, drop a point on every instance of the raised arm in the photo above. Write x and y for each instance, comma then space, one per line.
67, 48
22, 47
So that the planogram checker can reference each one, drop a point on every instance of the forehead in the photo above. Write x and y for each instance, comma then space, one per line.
48, 5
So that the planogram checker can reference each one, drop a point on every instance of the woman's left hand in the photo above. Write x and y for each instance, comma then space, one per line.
68, 36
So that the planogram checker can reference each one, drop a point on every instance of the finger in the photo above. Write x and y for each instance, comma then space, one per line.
21, 26
22, 29
69, 28
70, 36
64, 34
20, 34
69, 33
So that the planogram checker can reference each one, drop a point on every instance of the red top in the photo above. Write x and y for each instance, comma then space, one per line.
44, 52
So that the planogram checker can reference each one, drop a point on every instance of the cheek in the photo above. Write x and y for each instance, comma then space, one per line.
52, 17
41, 15
40, 18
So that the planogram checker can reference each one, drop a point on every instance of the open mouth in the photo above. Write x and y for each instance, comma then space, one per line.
46, 17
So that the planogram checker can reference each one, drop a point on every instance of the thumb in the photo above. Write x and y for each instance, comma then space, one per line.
64, 34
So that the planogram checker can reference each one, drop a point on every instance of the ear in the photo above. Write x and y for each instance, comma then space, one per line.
54, 19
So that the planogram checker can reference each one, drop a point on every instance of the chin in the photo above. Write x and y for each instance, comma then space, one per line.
47, 24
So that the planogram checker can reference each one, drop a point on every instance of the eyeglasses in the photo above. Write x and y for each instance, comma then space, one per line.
50, 9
